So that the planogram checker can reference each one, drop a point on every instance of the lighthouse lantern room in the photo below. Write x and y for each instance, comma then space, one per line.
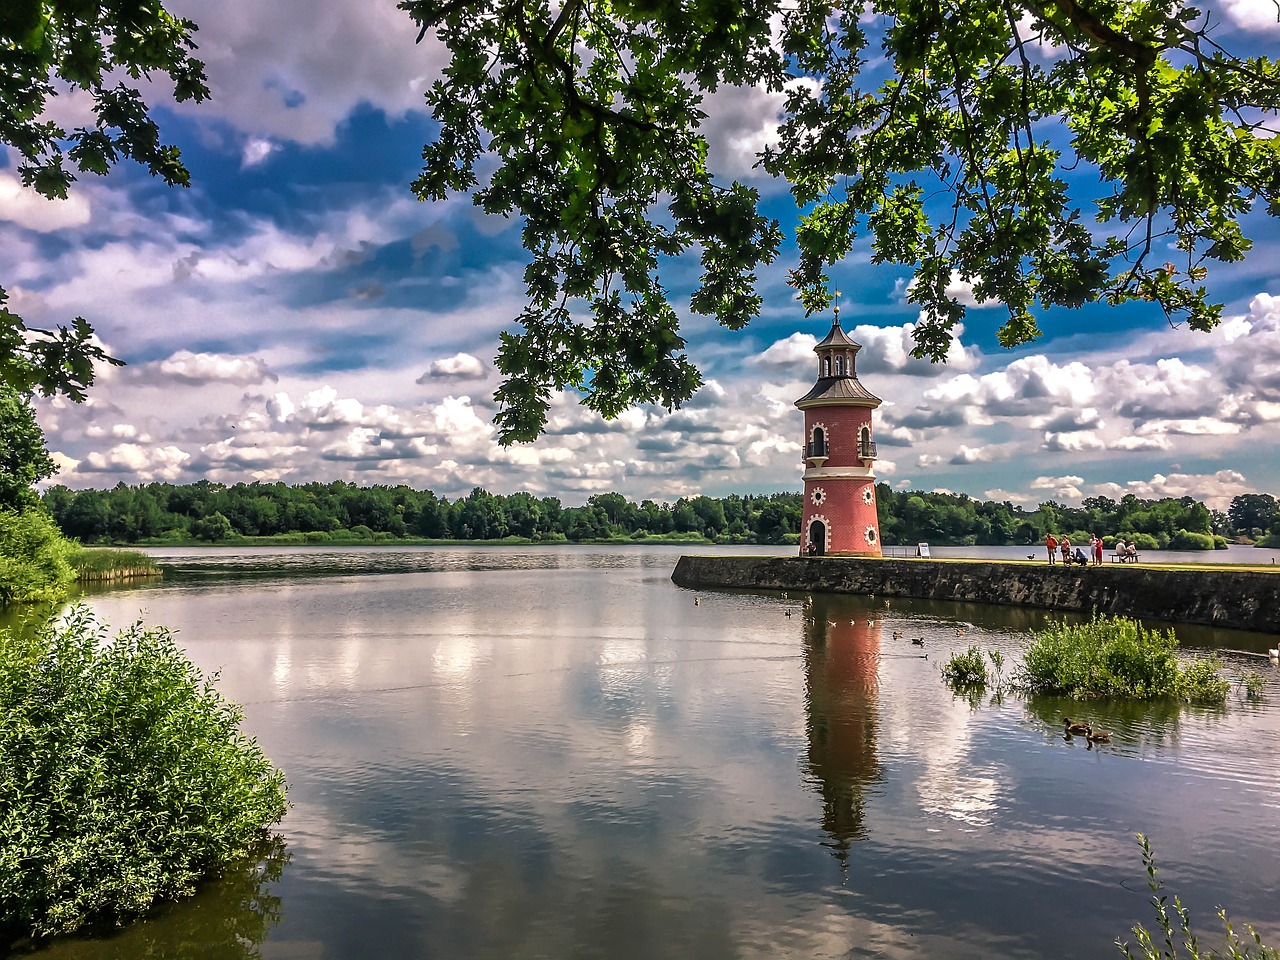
839, 454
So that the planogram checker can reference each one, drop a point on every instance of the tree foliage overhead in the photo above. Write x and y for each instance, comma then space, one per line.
935, 127
93, 46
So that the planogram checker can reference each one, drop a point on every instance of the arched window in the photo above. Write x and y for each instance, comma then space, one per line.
839, 366
826, 366
866, 449
819, 443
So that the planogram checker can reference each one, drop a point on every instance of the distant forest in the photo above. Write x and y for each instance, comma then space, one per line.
319, 512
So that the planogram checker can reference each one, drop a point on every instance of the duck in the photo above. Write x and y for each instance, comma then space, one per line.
897, 634
918, 641
1031, 556
1075, 728
1098, 736
1274, 654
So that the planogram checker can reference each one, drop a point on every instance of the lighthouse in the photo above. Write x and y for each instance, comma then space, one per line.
839, 454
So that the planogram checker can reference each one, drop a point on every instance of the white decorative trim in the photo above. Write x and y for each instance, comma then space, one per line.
817, 518
818, 496
839, 473
869, 494
872, 535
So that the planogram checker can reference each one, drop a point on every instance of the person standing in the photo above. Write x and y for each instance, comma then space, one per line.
1065, 546
1097, 550
1051, 542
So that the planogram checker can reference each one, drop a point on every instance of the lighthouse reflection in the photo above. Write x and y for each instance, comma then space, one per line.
842, 683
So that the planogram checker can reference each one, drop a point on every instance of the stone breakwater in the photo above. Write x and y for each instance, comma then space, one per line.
1236, 599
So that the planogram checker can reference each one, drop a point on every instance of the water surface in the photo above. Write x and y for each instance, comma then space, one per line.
531, 753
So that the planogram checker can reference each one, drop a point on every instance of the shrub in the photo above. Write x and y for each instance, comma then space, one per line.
968, 669
1185, 540
124, 777
33, 557
1116, 657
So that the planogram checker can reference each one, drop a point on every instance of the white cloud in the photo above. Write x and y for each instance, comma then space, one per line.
1060, 488
255, 152
273, 78
199, 368
793, 353
966, 454
1077, 442
145, 463
1215, 490
461, 366
26, 208
1253, 15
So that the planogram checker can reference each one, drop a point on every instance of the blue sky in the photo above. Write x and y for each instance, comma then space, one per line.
297, 315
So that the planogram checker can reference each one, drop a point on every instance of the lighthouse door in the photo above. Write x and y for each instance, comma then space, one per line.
818, 538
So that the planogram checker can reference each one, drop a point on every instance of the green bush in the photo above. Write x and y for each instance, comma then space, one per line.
968, 669
33, 557
1185, 540
124, 777
1116, 657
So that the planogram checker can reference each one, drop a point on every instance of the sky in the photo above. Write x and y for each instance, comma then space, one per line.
298, 315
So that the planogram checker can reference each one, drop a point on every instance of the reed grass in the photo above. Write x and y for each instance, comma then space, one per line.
97, 564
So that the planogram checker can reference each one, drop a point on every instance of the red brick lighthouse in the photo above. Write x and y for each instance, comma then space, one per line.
839, 455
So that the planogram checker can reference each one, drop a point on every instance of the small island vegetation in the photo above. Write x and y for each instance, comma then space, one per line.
124, 777
318, 513
1101, 657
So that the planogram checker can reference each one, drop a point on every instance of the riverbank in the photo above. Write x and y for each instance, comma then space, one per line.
1233, 597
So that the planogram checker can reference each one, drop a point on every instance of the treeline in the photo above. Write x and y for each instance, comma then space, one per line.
317, 512
324, 511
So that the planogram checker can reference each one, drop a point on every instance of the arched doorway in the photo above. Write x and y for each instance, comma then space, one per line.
817, 538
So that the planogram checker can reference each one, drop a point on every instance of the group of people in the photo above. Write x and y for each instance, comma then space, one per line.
1063, 546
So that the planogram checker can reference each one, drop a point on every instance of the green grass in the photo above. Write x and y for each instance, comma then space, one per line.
98, 563
1116, 657
124, 777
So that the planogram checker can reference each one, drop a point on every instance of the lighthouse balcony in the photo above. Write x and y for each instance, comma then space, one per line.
816, 453
866, 449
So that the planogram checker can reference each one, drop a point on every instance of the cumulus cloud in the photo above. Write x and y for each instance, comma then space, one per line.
1061, 488
965, 455
1215, 490
1253, 15
794, 353
1076, 442
271, 79
145, 463
200, 368
26, 208
461, 366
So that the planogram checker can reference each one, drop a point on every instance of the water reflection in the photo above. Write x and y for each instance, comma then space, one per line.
841, 668
513, 753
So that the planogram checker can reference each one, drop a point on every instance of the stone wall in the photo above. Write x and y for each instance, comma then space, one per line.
1223, 598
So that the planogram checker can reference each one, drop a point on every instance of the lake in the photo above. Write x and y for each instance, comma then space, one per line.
511, 752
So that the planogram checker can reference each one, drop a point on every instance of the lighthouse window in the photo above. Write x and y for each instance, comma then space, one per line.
826, 366
839, 366
819, 448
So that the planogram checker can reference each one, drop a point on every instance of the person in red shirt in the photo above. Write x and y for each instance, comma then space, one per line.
1052, 543
1097, 550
